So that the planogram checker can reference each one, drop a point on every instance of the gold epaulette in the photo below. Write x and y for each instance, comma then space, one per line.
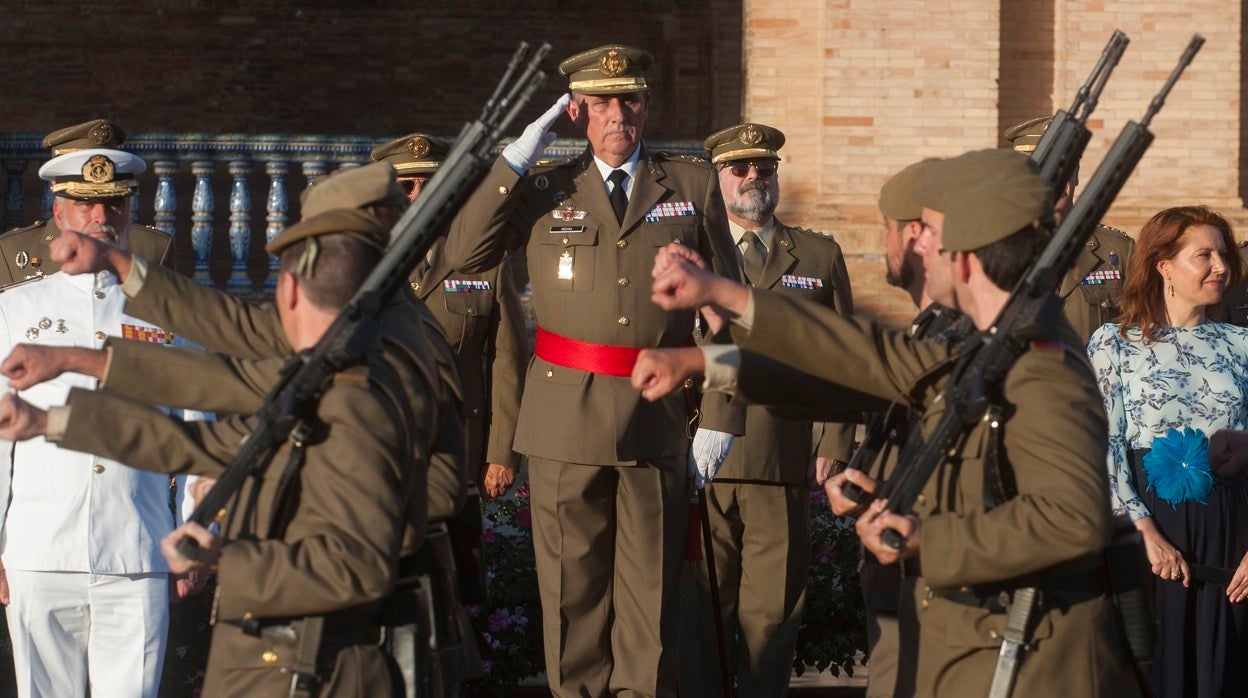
551, 163
681, 157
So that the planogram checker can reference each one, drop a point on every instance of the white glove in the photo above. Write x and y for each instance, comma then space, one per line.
525, 150
710, 449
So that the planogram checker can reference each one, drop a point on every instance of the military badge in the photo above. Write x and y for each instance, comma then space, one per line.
45, 323
669, 209
465, 285
21, 259
1100, 276
540, 182
1113, 258
808, 283
613, 64
568, 212
565, 265
101, 133
155, 335
32, 333
61, 327
418, 147
751, 135
99, 170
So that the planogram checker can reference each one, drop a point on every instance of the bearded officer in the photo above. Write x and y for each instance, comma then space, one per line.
24, 250
607, 470
1091, 287
759, 502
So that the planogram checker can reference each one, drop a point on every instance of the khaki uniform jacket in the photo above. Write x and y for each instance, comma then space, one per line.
24, 251
333, 553
591, 282
223, 323
1053, 443
1091, 287
1235, 302
801, 264
484, 323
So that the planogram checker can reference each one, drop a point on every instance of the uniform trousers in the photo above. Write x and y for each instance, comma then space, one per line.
761, 534
608, 542
72, 630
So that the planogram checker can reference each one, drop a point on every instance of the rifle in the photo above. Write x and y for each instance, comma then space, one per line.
1057, 157
986, 358
306, 376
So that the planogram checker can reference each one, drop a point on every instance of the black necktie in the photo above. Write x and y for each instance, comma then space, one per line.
619, 200
755, 257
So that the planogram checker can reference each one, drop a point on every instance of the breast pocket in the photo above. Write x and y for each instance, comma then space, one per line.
683, 230
1102, 300
563, 257
470, 313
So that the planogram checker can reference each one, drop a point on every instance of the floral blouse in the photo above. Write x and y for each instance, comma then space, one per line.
1190, 377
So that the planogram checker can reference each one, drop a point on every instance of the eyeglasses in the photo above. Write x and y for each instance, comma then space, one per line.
741, 168
411, 184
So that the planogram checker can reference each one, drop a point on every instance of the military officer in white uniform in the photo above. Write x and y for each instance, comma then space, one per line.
85, 583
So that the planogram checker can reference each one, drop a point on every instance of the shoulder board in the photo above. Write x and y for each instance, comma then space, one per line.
1105, 229
149, 228
1243, 243
551, 163
23, 229
356, 376
808, 231
665, 156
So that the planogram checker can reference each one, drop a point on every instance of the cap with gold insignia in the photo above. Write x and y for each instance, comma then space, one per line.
334, 220
897, 200
945, 180
1012, 199
96, 133
607, 70
93, 173
355, 187
415, 153
1025, 136
744, 142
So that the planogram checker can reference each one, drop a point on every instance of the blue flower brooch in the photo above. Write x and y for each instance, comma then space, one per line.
1178, 466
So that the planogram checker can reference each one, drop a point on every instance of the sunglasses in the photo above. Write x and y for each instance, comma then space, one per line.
764, 169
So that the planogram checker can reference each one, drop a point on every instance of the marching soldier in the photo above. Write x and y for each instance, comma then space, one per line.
607, 471
24, 250
1091, 287
759, 502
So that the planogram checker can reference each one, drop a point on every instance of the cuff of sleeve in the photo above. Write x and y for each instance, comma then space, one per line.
138, 276
723, 365
58, 422
108, 364
746, 320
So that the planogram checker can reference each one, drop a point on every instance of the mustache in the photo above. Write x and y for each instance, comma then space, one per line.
751, 186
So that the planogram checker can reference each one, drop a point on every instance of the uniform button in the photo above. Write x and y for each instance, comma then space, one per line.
476, 411
992, 635
623, 320
503, 190
248, 615
622, 244
550, 373
623, 281
99, 334
98, 468
269, 657
99, 295
921, 499
565, 241
1104, 304
677, 241
472, 311
923, 604
415, 286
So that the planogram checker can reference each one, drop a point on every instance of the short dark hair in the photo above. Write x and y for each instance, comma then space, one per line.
341, 266
1007, 260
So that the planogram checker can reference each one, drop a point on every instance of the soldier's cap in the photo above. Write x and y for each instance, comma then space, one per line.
744, 142
354, 187
996, 209
1025, 136
415, 153
897, 200
96, 133
945, 180
351, 221
607, 70
94, 173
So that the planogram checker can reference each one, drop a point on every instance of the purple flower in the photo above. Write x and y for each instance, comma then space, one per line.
489, 536
525, 517
499, 620
824, 554
487, 666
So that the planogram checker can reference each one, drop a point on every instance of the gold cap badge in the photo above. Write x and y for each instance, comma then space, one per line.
418, 147
613, 64
98, 169
102, 133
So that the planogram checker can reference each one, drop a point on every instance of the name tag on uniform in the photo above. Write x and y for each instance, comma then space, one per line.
155, 335
1097, 278
567, 229
464, 285
671, 209
806, 282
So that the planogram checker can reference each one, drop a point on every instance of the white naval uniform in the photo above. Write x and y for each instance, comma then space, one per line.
80, 535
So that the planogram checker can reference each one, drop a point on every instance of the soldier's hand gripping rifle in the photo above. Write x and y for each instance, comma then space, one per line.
986, 358
1057, 157
306, 376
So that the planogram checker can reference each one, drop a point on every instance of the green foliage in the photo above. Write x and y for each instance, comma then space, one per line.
833, 631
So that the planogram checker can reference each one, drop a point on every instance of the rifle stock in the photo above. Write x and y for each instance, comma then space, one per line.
986, 358
306, 376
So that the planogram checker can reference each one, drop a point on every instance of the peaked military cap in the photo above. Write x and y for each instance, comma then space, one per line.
354, 187
96, 133
1010, 200
945, 180
94, 173
334, 220
607, 70
897, 200
1025, 136
415, 153
744, 142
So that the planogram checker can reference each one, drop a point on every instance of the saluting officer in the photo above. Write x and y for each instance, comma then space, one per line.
759, 502
24, 250
1091, 287
607, 470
